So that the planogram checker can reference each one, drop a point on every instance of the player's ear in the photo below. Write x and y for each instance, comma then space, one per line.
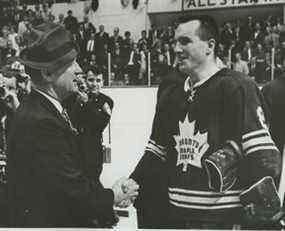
211, 46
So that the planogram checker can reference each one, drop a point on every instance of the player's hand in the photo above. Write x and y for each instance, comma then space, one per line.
124, 190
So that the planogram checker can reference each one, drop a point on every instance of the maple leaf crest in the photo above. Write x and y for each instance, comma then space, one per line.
189, 146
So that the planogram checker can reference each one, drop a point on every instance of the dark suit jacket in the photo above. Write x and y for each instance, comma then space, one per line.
46, 185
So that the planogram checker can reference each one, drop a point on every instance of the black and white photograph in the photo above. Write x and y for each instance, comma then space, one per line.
142, 114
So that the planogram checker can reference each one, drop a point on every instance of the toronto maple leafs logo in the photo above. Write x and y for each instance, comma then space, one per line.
189, 146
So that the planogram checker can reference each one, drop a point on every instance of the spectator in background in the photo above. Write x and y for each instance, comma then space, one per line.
126, 47
8, 53
168, 35
51, 17
38, 19
143, 41
13, 38
133, 64
260, 64
95, 116
158, 63
22, 25
248, 29
168, 56
143, 64
71, 22
268, 42
87, 27
237, 34
60, 19
275, 36
258, 35
4, 17
81, 39
91, 45
4, 38
23, 11
227, 35
115, 38
247, 54
240, 65
117, 61
102, 38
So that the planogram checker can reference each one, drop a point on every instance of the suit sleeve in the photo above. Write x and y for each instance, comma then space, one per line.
60, 168
261, 156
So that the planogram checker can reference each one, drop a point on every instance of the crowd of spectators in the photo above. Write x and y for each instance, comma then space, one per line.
244, 46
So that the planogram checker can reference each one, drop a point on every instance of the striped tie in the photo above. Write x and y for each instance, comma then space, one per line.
65, 116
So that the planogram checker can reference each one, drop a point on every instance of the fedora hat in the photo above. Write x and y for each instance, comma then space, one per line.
50, 48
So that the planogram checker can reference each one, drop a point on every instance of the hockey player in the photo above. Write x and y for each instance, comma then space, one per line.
214, 121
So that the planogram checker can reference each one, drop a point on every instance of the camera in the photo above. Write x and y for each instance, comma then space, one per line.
80, 82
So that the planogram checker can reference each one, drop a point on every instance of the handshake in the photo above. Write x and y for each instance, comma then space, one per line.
125, 192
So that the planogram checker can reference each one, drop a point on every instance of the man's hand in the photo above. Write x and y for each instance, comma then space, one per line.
125, 190
82, 97
127, 186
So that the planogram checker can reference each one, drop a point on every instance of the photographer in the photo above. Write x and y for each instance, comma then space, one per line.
96, 114
23, 84
8, 104
90, 111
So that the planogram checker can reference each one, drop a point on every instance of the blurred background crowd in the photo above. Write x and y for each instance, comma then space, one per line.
255, 47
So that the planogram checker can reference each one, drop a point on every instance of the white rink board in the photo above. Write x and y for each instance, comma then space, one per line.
131, 123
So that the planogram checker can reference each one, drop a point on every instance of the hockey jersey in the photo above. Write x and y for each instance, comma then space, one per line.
186, 129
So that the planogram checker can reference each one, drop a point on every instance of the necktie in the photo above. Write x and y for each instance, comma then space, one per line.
65, 116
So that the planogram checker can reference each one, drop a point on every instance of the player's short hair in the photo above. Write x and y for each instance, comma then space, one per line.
208, 28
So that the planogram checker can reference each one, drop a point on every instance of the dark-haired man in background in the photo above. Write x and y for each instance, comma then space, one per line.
192, 126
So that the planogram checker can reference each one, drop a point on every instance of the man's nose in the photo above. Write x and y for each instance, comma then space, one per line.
177, 48
77, 68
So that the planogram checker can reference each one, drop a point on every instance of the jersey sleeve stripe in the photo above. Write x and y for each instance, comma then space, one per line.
255, 134
256, 141
157, 149
205, 207
262, 148
204, 200
157, 145
204, 193
162, 157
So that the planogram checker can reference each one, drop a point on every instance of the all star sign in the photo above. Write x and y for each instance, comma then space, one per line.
208, 4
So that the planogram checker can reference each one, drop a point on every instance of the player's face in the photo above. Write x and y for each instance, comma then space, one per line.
64, 84
190, 49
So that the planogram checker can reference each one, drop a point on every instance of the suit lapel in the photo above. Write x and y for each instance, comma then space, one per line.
44, 102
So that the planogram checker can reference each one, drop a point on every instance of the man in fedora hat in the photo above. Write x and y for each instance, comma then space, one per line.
47, 186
